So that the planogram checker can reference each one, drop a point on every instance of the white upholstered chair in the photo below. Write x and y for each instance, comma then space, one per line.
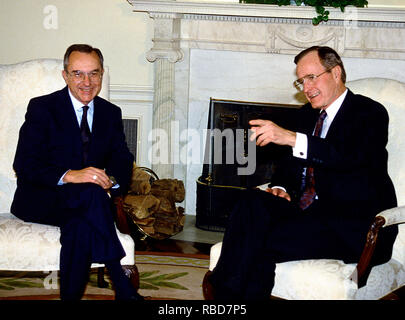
333, 279
30, 246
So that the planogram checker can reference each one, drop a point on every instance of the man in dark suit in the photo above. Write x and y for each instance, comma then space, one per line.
323, 196
71, 156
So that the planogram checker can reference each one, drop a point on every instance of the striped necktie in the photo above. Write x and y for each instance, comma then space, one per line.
309, 193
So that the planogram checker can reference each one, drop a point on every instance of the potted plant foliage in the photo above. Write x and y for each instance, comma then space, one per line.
323, 14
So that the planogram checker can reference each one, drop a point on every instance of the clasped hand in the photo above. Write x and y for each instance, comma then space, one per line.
89, 175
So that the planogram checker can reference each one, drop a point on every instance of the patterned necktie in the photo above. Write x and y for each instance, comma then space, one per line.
85, 133
308, 195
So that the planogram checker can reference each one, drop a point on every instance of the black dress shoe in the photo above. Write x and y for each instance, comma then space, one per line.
133, 297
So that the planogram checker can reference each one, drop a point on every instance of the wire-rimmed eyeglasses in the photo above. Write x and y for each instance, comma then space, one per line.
310, 78
78, 75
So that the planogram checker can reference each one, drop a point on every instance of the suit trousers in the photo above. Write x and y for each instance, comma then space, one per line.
264, 230
88, 234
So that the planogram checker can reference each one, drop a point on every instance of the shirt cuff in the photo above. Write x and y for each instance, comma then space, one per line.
301, 146
60, 182
279, 187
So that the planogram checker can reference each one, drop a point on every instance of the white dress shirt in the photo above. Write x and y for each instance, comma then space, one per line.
78, 108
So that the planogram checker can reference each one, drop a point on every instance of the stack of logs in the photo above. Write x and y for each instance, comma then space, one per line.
151, 204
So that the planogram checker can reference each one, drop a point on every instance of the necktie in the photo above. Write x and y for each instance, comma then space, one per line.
308, 195
85, 133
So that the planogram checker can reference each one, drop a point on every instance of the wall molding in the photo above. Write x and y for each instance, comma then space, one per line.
219, 10
133, 93
136, 102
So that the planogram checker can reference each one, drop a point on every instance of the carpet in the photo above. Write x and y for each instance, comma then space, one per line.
162, 277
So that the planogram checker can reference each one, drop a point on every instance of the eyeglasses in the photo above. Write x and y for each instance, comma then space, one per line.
310, 78
78, 76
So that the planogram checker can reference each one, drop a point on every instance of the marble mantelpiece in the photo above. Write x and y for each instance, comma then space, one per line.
245, 52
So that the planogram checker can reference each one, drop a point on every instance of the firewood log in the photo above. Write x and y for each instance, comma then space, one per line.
140, 181
171, 186
141, 206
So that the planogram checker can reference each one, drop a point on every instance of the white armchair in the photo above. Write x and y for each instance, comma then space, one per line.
333, 279
30, 246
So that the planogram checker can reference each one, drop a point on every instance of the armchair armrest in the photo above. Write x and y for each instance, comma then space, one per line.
383, 219
121, 217
393, 216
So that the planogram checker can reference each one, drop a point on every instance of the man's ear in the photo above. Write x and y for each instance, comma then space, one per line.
337, 73
65, 75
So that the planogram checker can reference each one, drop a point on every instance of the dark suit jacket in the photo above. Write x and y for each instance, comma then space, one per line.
350, 166
50, 144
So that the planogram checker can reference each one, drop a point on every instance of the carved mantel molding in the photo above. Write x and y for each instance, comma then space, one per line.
358, 32
257, 10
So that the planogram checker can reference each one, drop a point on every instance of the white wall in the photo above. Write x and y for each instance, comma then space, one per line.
122, 35
31, 29
27, 32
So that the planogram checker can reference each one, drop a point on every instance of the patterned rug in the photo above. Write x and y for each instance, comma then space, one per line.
162, 277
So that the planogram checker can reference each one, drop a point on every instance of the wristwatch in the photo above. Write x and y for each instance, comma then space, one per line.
113, 181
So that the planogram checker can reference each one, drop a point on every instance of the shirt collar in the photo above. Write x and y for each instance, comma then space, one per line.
335, 106
77, 105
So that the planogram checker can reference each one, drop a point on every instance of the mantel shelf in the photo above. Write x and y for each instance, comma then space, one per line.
375, 14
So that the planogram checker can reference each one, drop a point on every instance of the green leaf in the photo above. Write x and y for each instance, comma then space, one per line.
320, 9
315, 21
147, 286
166, 276
171, 285
22, 284
154, 279
172, 276
146, 274
3, 287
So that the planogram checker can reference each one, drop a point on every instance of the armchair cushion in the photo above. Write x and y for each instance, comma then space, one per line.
328, 279
32, 246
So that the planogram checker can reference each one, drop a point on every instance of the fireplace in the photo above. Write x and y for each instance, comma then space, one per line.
233, 51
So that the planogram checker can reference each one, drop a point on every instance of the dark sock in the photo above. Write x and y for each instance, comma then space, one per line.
122, 284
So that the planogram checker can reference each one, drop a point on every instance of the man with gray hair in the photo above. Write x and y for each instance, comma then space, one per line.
71, 154
323, 196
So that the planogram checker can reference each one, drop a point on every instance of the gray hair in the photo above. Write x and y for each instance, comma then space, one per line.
85, 48
329, 58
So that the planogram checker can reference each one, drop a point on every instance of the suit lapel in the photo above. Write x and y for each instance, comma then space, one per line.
99, 127
307, 119
66, 112
68, 121
340, 118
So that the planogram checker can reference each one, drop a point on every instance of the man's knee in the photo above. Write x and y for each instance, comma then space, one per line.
94, 190
81, 194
